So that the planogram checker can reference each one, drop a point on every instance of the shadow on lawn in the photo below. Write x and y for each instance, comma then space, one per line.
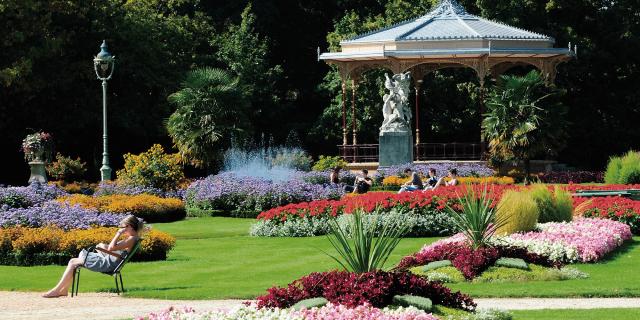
620, 251
134, 289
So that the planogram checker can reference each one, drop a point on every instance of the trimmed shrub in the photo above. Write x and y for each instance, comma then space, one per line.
41, 246
153, 168
623, 170
66, 169
329, 162
518, 210
148, 207
516, 263
310, 303
408, 300
436, 264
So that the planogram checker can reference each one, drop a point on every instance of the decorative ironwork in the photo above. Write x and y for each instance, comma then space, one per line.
422, 151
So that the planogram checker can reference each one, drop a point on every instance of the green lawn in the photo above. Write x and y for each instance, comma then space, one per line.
215, 258
567, 314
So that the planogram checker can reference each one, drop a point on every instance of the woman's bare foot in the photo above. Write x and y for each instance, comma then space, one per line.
53, 294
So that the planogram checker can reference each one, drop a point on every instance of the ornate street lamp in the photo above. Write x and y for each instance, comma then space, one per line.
104, 64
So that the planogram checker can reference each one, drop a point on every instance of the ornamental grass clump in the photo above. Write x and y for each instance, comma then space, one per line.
476, 218
623, 170
369, 246
552, 207
518, 211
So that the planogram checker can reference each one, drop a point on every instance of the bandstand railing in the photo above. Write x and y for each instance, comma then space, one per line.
423, 151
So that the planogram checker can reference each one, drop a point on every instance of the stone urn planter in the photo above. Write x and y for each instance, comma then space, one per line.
37, 148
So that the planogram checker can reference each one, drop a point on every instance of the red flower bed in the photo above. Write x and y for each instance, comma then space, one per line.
437, 199
352, 289
620, 209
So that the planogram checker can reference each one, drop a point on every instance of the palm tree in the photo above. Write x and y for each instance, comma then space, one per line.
210, 106
524, 119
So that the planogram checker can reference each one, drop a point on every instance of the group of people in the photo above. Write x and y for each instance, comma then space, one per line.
433, 182
363, 182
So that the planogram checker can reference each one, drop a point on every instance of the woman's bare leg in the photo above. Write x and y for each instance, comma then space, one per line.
63, 285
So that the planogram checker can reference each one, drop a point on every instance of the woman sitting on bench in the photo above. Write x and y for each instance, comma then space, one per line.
106, 257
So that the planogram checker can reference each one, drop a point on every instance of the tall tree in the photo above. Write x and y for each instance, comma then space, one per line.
210, 109
246, 53
523, 120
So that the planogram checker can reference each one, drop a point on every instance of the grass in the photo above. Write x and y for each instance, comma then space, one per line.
214, 258
569, 314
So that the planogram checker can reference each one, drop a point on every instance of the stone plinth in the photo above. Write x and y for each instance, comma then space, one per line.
38, 172
395, 148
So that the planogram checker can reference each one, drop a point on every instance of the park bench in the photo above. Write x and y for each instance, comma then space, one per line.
629, 193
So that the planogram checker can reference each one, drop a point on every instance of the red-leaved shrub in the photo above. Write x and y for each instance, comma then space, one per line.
353, 289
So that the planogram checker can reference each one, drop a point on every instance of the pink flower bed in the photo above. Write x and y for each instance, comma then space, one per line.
328, 312
363, 312
592, 238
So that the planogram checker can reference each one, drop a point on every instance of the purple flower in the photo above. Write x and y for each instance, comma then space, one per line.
31, 195
227, 191
465, 169
52, 213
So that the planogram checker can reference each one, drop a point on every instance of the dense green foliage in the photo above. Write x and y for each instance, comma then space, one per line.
310, 303
46, 69
522, 120
329, 162
624, 170
556, 206
66, 169
210, 108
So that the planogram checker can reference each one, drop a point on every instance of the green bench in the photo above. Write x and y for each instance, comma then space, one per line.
629, 193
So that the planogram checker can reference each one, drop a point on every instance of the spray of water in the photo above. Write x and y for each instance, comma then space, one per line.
271, 163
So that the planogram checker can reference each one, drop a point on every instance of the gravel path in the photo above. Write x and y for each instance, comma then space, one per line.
29, 305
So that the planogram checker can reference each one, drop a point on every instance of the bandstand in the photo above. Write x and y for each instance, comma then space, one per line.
446, 37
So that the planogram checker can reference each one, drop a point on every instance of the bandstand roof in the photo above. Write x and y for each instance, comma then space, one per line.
448, 31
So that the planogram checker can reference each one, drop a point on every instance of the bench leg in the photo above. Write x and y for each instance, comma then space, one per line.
75, 285
121, 284
115, 277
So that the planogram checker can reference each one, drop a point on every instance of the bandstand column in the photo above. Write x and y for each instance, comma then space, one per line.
344, 113
483, 147
353, 111
418, 85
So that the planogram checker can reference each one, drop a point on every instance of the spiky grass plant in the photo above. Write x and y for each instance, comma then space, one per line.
477, 220
369, 246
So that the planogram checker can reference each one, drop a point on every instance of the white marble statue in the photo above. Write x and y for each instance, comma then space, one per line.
395, 109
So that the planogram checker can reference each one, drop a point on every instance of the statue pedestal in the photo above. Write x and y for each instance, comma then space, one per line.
396, 148
38, 172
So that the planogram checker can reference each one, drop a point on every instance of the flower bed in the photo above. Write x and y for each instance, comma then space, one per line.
47, 245
426, 209
145, 206
24, 197
615, 208
572, 177
465, 169
398, 180
63, 216
468, 261
111, 188
375, 288
328, 312
242, 196
583, 240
